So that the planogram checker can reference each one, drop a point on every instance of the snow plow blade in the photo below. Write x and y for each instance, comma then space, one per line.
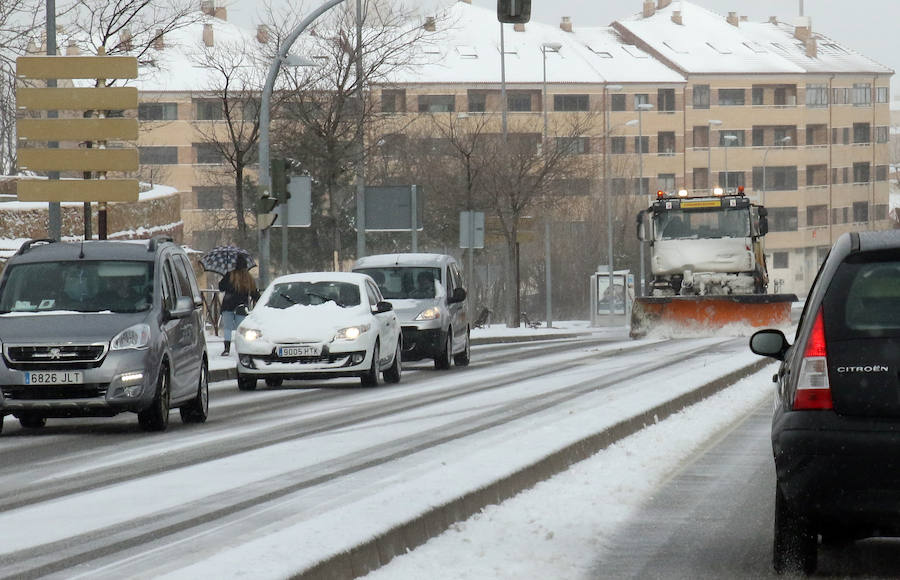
708, 315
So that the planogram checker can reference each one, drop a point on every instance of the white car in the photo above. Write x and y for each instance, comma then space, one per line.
319, 325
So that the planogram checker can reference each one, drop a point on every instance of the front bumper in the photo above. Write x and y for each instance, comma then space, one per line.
328, 364
425, 341
119, 382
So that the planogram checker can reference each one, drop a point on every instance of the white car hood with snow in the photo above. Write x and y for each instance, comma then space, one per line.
299, 323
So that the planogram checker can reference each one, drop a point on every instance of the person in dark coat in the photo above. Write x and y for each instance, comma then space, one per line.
240, 291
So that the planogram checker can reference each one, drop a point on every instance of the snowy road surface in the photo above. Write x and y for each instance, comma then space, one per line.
320, 466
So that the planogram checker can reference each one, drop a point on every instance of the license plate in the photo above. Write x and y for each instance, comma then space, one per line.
294, 351
53, 378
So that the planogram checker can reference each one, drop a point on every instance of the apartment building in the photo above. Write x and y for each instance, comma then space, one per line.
687, 98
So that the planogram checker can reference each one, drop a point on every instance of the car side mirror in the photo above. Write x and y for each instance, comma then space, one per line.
184, 306
459, 294
383, 306
641, 234
769, 342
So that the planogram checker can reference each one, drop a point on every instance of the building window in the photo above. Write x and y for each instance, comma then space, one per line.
862, 94
393, 145
840, 96
782, 135
571, 103
816, 215
665, 99
731, 97
777, 178
731, 180
641, 186
617, 145
641, 99
665, 142
860, 211
209, 110
816, 96
573, 145
158, 155
701, 136
701, 96
860, 132
209, 197
881, 95
618, 102
783, 219
816, 135
666, 182
816, 175
758, 136
619, 186
757, 96
780, 260
861, 172
881, 173
393, 101
158, 111
701, 178
572, 187
436, 103
738, 140
477, 101
208, 153
518, 102
882, 134
642, 144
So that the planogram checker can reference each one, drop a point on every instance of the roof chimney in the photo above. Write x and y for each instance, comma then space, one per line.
733, 19
743, 18
429, 24
72, 49
802, 28
159, 42
676, 17
566, 24
125, 39
812, 50
262, 34
208, 7
773, 20
466, 1
221, 13
208, 35
519, 27
649, 8
662, 4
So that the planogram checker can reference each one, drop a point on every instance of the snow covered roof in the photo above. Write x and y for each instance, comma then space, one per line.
469, 53
706, 43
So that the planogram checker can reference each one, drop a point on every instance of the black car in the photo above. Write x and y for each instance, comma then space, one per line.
836, 425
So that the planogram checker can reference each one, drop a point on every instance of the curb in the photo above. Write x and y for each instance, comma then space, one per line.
397, 541
230, 373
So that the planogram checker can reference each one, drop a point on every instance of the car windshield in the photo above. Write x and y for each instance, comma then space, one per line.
406, 282
287, 294
82, 286
679, 224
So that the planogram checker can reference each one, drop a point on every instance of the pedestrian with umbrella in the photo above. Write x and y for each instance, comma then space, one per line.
238, 285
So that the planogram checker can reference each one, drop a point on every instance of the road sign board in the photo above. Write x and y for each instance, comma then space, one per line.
76, 98
389, 208
77, 190
471, 227
77, 129
79, 160
299, 204
77, 67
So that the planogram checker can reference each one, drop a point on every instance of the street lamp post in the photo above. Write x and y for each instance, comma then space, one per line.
728, 139
640, 109
709, 152
778, 143
609, 220
548, 279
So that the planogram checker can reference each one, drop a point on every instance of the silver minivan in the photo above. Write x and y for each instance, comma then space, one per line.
429, 297
99, 328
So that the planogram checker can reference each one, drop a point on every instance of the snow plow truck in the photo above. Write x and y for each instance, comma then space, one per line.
707, 266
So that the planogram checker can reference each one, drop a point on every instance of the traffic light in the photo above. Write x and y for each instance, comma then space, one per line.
278, 169
514, 11
264, 216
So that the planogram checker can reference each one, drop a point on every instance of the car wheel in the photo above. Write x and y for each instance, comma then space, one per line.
274, 381
370, 377
29, 421
197, 410
794, 546
392, 375
246, 383
462, 359
442, 361
156, 416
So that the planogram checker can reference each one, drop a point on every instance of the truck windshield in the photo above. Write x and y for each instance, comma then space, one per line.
699, 224
82, 286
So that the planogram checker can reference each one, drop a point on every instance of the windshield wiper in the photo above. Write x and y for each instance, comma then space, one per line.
288, 298
320, 296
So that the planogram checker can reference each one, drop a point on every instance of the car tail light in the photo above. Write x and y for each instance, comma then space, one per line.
813, 390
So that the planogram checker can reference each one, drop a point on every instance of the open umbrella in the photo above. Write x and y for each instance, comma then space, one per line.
223, 259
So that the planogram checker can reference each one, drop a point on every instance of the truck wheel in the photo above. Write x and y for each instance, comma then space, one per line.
156, 416
794, 546
442, 361
197, 410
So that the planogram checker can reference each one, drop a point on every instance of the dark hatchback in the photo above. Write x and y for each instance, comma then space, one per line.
836, 424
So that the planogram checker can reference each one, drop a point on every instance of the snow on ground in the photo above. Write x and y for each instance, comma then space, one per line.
557, 529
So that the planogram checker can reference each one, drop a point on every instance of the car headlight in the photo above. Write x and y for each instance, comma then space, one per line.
351, 332
250, 334
137, 336
432, 313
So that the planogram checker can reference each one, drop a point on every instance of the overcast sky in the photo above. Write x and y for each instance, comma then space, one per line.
867, 26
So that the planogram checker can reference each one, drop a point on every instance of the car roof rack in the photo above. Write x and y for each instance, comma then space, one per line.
156, 240
27, 245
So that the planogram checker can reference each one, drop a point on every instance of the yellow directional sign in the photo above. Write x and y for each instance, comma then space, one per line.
77, 130
78, 190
